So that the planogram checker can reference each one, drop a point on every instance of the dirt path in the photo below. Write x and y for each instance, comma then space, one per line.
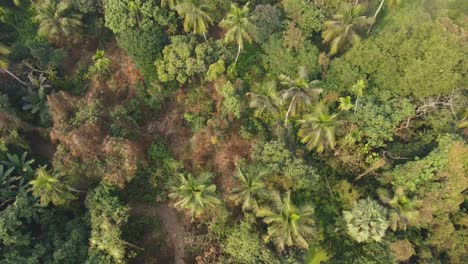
175, 230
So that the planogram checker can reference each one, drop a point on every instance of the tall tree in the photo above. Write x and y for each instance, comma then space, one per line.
301, 92
238, 26
318, 128
287, 223
249, 187
195, 194
196, 15
265, 98
404, 211
342, 29
57, 19
50, 188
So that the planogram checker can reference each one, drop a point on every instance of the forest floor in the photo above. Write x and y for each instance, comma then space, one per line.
173, 227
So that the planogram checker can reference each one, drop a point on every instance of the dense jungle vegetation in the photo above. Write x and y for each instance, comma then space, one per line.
233, 131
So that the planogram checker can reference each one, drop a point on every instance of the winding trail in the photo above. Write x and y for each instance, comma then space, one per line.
175, 232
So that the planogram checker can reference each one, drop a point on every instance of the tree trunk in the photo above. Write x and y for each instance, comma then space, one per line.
238, 53
204, 35
289, 111
356, 104
375, 16
14, 76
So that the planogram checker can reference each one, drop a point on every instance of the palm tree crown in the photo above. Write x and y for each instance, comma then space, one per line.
404, 211
300, 91
250, 186
50, 189
239, 27
265, 98
196, 17
287, 224
366, 221
195, 194
57, 19
342, 29
318, 129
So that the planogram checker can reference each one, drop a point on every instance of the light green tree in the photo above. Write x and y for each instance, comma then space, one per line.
57, 20
249, 187
342, 29
196, 15
404, 211
100, 64
300, 91
366, 221
288, 224
195, 194
318, 129
50, 188
238, 26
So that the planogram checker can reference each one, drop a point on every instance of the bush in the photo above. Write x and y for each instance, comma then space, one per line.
144, 47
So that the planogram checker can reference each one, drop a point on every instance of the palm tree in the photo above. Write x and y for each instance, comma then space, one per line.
196, 17
170, 3
404, 211
300, 91
249, 187
50, 189
318, 129
265, 99
238, 26
195, 194
287, 224
366, 221
57, 20
342, 29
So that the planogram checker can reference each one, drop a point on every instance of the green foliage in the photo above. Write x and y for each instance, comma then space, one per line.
288, 225
215, 70
368, 253
267, 20
123, 15
100, 64
185, 58
420, 60
413, 174
242, 245
108, 214
231, 101
195, 194
366, 221
284, 169
144, 47
305, 14
85, 6
20, 164
50, 188
280, 60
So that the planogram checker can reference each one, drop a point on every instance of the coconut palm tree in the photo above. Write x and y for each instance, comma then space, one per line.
366, 221
249, 187
49, 188
266, 98
288, 224
390, 4
195, 194
57, 20
342, 30
404, 211
169, 3
196, 15
318, 128
238, 26
300, 92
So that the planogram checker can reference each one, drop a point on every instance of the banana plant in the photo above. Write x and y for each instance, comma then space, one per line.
20, 164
